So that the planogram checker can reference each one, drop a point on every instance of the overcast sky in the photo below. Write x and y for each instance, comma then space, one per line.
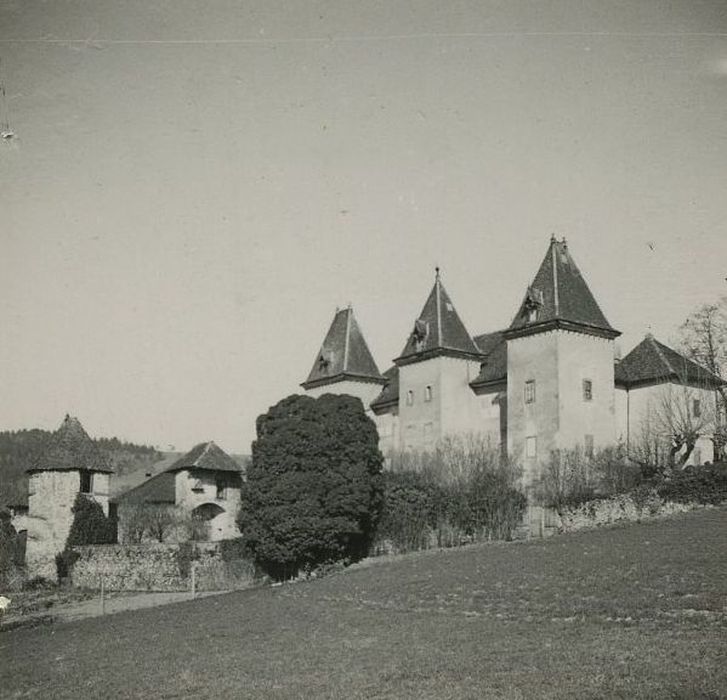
195, 187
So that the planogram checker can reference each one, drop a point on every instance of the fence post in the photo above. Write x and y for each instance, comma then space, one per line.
103, 596
194, 579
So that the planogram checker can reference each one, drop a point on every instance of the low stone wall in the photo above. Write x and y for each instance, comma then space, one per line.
160, 567
618, 509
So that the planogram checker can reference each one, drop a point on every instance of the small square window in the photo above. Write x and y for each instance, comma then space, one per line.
530, 391
588, 442
697, 408
428, 393
410, 398
531, 446
587, 390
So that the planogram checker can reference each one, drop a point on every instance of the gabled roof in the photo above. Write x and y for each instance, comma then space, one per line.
493, 369
438, 330
158, 489
559, 298
70, 448
343, 355
651, 361
389, 395
206, 455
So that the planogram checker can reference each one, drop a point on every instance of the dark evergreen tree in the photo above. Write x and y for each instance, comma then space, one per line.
314, 488
90, 525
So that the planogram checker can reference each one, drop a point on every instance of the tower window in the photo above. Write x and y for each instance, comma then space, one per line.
220, 486
428, 393
588, 443
587, 390
696, 408
86, 482
530, 391
531, 447
410, 398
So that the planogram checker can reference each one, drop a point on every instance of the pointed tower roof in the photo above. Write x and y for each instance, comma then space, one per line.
206, 455
559, 298
438, 330
652, 362
343, 355
70, 448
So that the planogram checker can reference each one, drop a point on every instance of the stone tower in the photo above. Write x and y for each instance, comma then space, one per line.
435, 368
560, 366
344, 364
69, 464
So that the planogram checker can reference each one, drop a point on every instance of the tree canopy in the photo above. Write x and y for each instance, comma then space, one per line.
314, 488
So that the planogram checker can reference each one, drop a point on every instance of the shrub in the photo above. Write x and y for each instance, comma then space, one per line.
64, 563
410, 510
90, 525
314, 488
9, 552
471, 491
705, 484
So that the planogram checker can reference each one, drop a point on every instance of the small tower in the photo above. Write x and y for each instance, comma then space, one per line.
438, 362
560, 366
344, 364
69, 464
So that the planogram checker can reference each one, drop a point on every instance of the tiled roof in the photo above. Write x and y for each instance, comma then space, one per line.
70, 448
344, 354
559, 296
494, 365
389, 395
206, 455
439, 329
158, 489
652, 361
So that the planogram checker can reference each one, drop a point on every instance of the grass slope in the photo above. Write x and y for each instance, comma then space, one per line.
627, 612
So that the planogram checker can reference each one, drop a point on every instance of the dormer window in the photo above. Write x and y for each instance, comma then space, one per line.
419, 334
323, 363
533, 302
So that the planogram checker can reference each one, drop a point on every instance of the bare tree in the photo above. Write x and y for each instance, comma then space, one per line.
704, 339
680, 416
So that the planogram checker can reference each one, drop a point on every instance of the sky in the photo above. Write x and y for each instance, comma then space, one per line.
195, 187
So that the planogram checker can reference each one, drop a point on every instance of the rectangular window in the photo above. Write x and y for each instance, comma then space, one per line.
86, 482
531, 447
220, 484
410, 398
696, 408
587, 390
428, 393
530, 391
588, 442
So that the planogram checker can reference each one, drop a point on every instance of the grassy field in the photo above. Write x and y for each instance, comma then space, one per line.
631, 612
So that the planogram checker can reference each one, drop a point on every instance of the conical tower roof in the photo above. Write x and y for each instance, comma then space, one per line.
343, 355
438, 330
70, 448
559, 297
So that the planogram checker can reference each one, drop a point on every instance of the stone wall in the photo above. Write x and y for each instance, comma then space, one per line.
618, 509
160, 567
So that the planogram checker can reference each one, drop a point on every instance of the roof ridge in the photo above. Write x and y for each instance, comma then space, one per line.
556, 298
347, 342
661, 354
438, 285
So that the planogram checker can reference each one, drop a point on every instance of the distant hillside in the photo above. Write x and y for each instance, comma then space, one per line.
19, 449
